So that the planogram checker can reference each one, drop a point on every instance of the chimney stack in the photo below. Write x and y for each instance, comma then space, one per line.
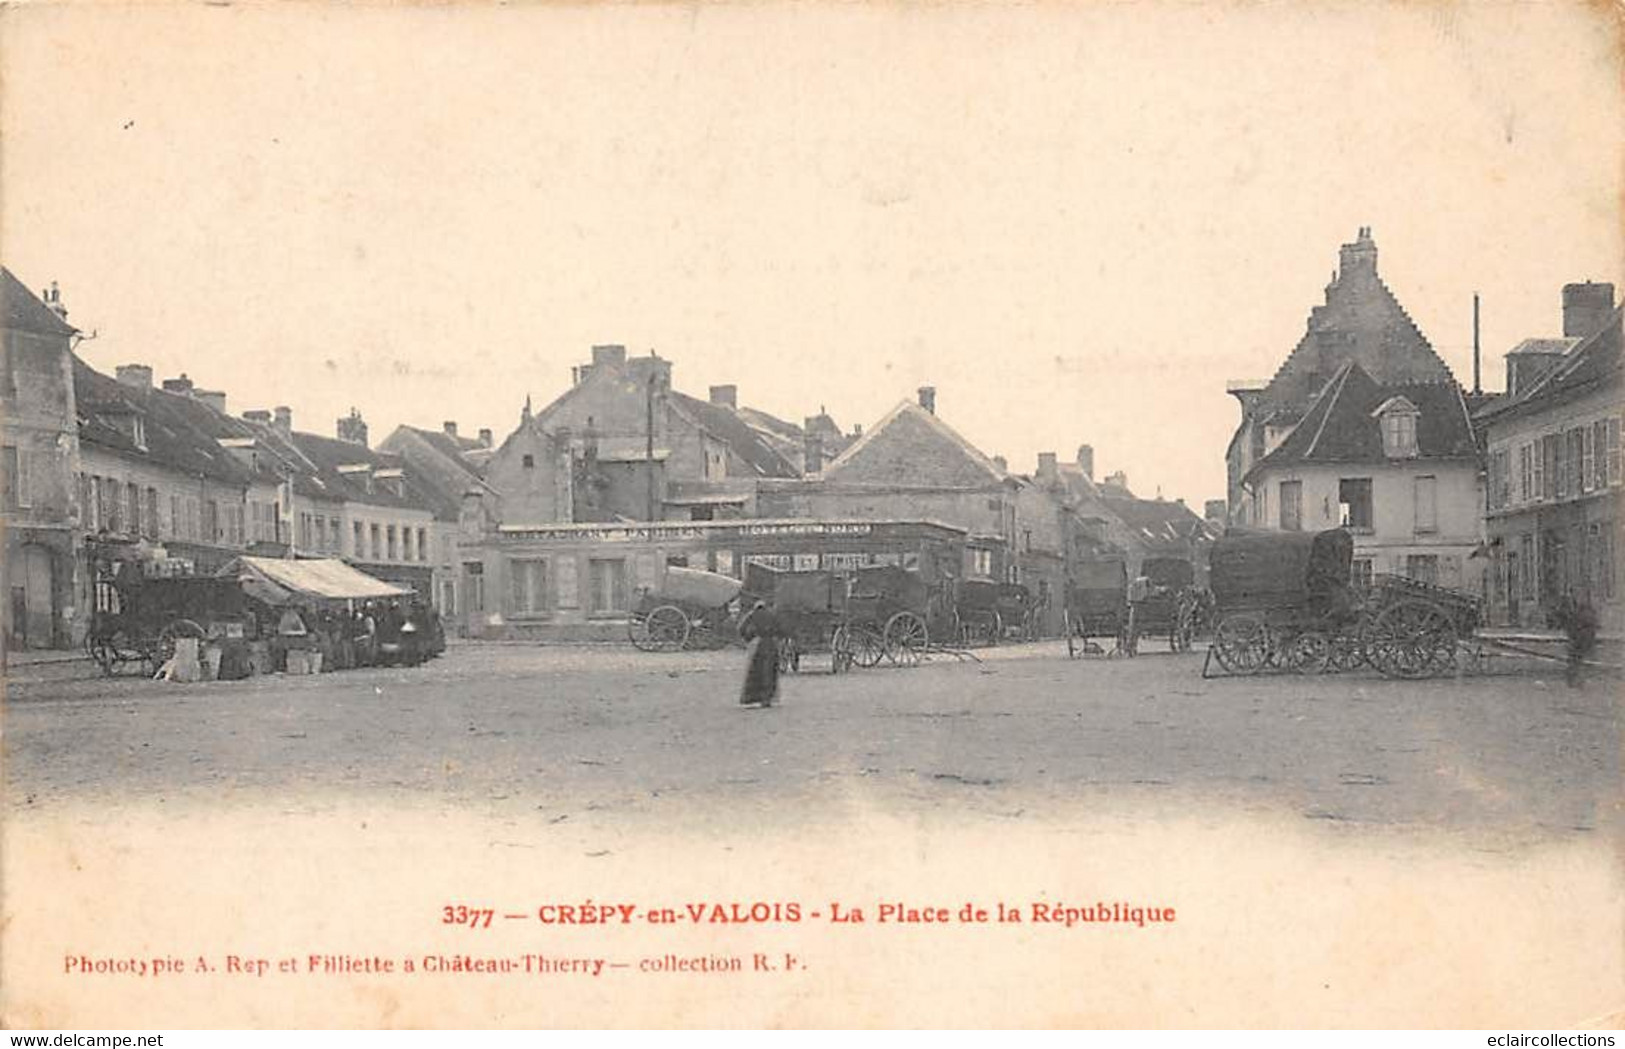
181, 385
282, 419
1359, 257
612, 355
450, 427
137, 375
353, 428
726, 395
1118, 480
1002, 463
1086, 460
812, 447
53, 299
485, 437
1047, 470
215, 399
1586, 307
258, 415
1215, 510
928, 399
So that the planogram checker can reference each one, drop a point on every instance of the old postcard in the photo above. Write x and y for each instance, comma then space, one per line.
804, 515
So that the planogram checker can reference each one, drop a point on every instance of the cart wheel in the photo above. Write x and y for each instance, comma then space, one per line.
668, 629
906, 638
637, 631
868, 647
1345, 653
102, 651
789, 656
1307, 653
840, 651
1411, 639
1241, 644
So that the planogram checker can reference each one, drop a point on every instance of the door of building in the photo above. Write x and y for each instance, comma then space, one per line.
39, 599
1514, 584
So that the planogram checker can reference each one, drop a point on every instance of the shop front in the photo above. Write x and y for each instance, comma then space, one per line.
563, 581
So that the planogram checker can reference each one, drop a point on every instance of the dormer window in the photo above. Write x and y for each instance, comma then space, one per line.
138, 431
1398, 417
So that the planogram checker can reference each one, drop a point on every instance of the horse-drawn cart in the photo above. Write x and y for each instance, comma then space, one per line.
811, 607
136, 620
1097, 605
1165, 603
1284, 601
690, 609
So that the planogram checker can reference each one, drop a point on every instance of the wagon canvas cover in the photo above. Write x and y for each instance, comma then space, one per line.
693, 586
1278, 570
274, 580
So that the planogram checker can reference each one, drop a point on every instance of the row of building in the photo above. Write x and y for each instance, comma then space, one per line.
1514, 495
550, 532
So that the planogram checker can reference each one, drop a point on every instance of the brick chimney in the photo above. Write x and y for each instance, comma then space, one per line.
181, 385
928, 399
1586, 308
612, 355
644, 369
485, 437
282, 419
137, 375
352, 428
449, 427
258, 415
726, 395
215, 399
1359, 257
812, 446
53, 299
1086, 460
1047, 470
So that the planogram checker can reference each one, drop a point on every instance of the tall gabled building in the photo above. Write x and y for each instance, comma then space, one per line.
45, 590
1360, 322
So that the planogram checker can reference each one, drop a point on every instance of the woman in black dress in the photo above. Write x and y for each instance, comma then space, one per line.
762, 630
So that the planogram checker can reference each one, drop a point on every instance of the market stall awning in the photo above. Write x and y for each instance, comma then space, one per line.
328, 578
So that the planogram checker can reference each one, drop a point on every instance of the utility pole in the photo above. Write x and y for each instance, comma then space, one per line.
649, 443
1478, 386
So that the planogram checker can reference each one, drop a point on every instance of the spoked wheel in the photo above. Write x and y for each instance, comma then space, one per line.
104, 652
1241, 644
1411, 639
840, 651
637, 631
906, 638
1308, 652
667, 628
868, 647
789, 655
1344, 653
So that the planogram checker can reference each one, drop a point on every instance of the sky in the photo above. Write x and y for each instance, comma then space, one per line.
1076, 221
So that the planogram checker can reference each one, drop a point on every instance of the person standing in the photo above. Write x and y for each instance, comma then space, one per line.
762, 630
1580, 624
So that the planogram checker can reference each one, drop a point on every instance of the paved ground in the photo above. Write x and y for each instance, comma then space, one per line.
1342, 850
571, 729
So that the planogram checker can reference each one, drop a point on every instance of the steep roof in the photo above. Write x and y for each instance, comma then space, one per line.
1361, 321
24, 311
438, 467
1340, 426
890, 452
329, 455
1156, 521
174, 438
743, 439
1587, 364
